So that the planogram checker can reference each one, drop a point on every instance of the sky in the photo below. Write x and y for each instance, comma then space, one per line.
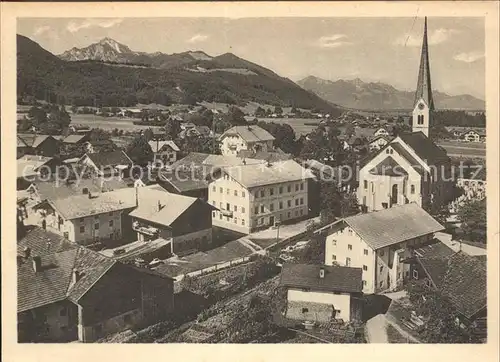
373, 49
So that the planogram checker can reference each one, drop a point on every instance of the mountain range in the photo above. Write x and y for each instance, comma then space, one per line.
358, 94
111, 74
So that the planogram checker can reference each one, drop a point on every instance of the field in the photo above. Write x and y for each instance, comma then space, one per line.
108, 123
464, 149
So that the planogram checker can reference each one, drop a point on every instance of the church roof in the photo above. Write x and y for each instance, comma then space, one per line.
425, 148
389, 167
424, 88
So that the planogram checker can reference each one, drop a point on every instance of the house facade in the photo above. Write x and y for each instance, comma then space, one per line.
378, 142
371, 242
107, 164
474, 136
240, 138
320, 293
42, 145
164, 152
65, 296
252, 197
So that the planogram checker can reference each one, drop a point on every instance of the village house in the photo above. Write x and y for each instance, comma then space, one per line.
378, 142
64, 292
321, 293
35, 144
96, 146
164, 152
478, 135
381, 132
474, 188
31, 167
251, 197
458, 276
240, 138
378, 242
107, 164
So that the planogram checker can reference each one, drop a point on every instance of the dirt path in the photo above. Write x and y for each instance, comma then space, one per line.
376, 329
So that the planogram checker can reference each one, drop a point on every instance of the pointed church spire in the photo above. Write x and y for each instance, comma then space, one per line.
424, 88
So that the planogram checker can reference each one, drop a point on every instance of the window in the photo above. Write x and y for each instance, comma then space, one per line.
235, 192
228, 191
262, 194
387, 151
235, 220
235, 208
63, 312
261, 209
242, 193
242, 221
347, 261
364, 283
365, 184
381, 268
228, 207
349, 247
301, 186
261, 220
271, 191
296, 187
242, 210
412, 189
371, 185
213, 213
96, 226
110, 223
334, 242
271, 207
82, 229
427, 283
220, 216
256, 211
221, 190
365, 251
337, 312
289, 188
227, 218
301, 201
289, 203
301, 212
296, 202
281, 205
289, 214
415, 274
214, 189
221, 205
281, 189
365, 268
334, 257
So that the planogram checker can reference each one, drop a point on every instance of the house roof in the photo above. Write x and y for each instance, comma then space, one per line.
160, 207
336, 278
377, 228
279, 155
43, 242
424, 147
268, 174
33, 140
407, 156
158, 145
28, 165
460, 277
74, 207
325, 172
186, 181
249, 133
74, 138
434, 249
196, 159
114, 158
388, 167
59, 190
53, 282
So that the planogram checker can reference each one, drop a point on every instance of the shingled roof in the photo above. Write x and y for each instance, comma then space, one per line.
336, 278
43, 242
460, 277
114, 158
377, 228
424, 147
249, 133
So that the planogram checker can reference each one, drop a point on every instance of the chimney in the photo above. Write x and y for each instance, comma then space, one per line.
75, 276
26, 252
321, 272
37, 264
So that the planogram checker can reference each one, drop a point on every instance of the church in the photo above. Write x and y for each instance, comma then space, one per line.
411, 167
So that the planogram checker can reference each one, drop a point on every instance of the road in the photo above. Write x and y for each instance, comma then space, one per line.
455, 245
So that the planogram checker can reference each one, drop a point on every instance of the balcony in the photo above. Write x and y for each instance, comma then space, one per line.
144, 229
227, 213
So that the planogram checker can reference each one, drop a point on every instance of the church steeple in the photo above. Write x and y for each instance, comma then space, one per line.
423, 103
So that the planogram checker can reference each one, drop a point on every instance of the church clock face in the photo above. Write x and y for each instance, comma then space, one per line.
421, 106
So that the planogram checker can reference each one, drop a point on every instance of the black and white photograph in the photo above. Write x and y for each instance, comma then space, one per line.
252, 180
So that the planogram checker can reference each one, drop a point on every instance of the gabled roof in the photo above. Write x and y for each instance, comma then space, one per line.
28, 165
424, 147
336, 278
249, 133
388, 167
378, 229
460, 277
43, 242
59, 190
114, 158
268, 174
407, 156
74, 138
156, 146
33, 140
279, 155
186, 181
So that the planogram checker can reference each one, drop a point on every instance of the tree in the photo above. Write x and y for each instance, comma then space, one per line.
349, 130
139, 151
284, 136
74, 109
278, 110
235, 116
260, 112
172, 129
472, 215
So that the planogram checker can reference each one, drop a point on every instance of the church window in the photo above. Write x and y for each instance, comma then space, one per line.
365, 184
412, 189
371, 185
